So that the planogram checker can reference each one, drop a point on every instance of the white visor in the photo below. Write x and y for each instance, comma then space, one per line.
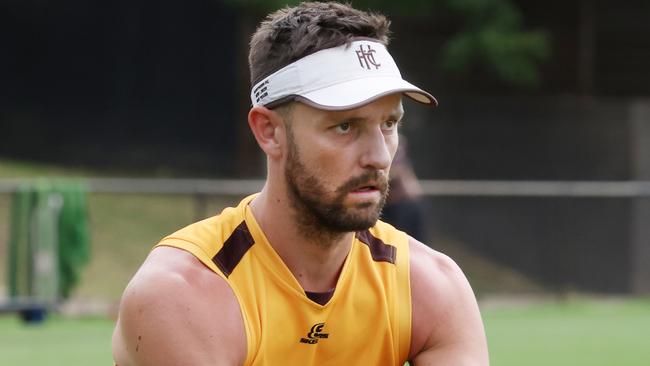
337, 78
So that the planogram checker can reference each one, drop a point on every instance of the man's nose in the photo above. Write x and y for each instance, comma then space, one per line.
376, 151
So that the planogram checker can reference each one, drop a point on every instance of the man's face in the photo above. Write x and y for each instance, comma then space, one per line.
337, 163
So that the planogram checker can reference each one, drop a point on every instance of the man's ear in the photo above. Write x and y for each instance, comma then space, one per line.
266, 125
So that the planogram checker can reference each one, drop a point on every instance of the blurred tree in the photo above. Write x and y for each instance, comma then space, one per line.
488, 35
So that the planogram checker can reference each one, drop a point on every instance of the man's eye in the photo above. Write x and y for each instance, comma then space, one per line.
389, 125
343, 127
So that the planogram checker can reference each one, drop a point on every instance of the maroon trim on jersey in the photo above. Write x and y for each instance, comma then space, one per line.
380, 251
320, 298
234, 249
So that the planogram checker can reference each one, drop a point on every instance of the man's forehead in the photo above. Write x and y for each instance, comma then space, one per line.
388, 107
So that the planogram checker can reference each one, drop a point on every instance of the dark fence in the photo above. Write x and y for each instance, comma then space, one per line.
598, 243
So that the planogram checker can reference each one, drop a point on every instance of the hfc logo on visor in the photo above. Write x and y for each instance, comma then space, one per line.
367, 58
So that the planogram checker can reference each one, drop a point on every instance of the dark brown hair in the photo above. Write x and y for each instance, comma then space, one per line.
292, 33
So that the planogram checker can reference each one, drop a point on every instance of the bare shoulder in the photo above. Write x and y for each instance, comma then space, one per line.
175, 311
427, 264
446, 325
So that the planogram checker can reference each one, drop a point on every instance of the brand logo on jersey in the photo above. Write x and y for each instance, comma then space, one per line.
315, 334
367, 57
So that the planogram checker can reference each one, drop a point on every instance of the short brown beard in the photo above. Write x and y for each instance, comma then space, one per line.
326, 220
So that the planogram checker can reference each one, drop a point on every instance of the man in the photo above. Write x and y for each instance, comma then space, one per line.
303, 273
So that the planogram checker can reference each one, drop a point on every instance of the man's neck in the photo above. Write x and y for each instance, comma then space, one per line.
315, 258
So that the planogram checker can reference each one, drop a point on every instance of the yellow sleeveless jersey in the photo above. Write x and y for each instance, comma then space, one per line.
365, 321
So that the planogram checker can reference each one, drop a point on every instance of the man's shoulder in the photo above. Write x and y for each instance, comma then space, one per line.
170, 299
171, 276
430, 265
436, 279
442, 301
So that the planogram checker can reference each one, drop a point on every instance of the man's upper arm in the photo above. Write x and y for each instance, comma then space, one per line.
175, 311
447, 327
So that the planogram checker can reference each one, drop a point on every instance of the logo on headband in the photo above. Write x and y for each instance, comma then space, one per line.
261, 91
367, 58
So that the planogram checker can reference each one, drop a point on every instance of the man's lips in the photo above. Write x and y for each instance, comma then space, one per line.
370, 182
365, 189
368, 187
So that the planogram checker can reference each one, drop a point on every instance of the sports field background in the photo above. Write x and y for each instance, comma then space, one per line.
605, 332
124, 227
526, 325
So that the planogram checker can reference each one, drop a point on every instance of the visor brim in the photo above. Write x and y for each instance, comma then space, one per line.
356, 93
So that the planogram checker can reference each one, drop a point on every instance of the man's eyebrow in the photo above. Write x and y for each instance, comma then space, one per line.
397, 115
355, 119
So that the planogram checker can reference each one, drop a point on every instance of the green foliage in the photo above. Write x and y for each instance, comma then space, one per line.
262, 5
488, 36
512, 56
477, 13
491, 37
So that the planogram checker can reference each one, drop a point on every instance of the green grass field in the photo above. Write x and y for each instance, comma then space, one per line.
573, 333
58, 342
578, 332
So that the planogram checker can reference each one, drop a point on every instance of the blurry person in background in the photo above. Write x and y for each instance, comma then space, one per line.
303, 273
404, 207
